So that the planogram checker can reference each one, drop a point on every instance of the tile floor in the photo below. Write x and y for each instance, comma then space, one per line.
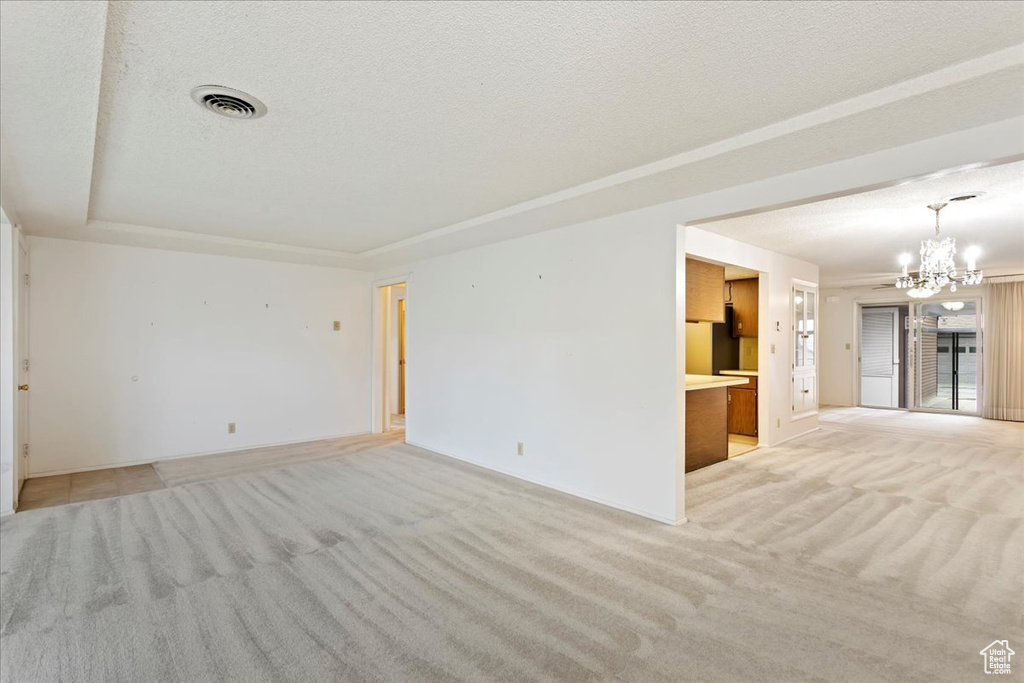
62, 489
741, 445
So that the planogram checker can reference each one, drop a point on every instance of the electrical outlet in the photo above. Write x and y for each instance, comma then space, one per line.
231, 427
337, 325
773, 348
847, 346
519, 448
778, 423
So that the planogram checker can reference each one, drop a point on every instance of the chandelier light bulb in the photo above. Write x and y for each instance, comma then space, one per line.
972, 254
905, 259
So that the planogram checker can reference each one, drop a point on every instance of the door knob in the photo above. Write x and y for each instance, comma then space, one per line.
22, 387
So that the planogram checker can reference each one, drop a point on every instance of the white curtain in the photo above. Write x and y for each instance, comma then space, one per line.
1004, 351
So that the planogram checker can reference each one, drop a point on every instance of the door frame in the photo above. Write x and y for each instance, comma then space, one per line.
401, 356
380, 414
858, 318
976, 296
979, 325
13, 337
21, 365
901, 353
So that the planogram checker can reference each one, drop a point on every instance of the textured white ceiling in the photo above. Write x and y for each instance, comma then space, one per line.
389, 122
858, 238
51, 59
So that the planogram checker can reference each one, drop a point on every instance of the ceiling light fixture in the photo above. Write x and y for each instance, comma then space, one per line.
938, 268
229, 102
953, 306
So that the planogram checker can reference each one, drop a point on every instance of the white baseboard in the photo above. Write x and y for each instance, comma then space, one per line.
130, 463
556, 487
795, 436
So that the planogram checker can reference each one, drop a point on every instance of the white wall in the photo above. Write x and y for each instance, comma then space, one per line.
586, 365
698, 348
838, 367
775, 423
563, 340
749, 355
141, 354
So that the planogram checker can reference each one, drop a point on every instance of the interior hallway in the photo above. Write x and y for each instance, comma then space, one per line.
884, 546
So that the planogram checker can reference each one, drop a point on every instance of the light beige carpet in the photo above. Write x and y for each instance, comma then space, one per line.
207, 467
819, 560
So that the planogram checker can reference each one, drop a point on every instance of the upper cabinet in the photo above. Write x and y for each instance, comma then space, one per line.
805, 375
743, 295
805, 310
704, 283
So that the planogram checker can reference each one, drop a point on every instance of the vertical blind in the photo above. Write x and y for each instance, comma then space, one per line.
877, 346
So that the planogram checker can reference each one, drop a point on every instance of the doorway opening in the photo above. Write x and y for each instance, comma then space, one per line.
394, 356
724, 308
885, 373
948, 349
921, 356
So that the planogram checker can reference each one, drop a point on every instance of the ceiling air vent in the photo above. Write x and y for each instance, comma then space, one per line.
228, 102
964, 197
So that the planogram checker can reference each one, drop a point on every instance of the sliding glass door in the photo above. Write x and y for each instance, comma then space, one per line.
947, 356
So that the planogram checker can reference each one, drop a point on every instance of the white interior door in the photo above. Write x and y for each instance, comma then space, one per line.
880, 357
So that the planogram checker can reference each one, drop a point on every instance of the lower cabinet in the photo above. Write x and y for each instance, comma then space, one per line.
707, 441
805, 395
743, 411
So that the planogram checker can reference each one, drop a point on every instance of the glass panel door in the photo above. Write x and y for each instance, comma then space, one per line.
804, 312
947, 356
805, 381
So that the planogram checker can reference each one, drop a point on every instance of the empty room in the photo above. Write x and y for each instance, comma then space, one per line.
532, 341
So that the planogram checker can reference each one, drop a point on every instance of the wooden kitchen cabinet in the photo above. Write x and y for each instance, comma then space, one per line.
744, 307
704, 283
743, 411
707, 436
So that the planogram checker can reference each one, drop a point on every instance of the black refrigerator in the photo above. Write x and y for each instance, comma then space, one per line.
725, 348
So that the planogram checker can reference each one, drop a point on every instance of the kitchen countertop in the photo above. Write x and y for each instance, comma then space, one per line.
695, 382
739, 373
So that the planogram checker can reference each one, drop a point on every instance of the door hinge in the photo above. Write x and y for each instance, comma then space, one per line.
26, 279
24, 365
24, 450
